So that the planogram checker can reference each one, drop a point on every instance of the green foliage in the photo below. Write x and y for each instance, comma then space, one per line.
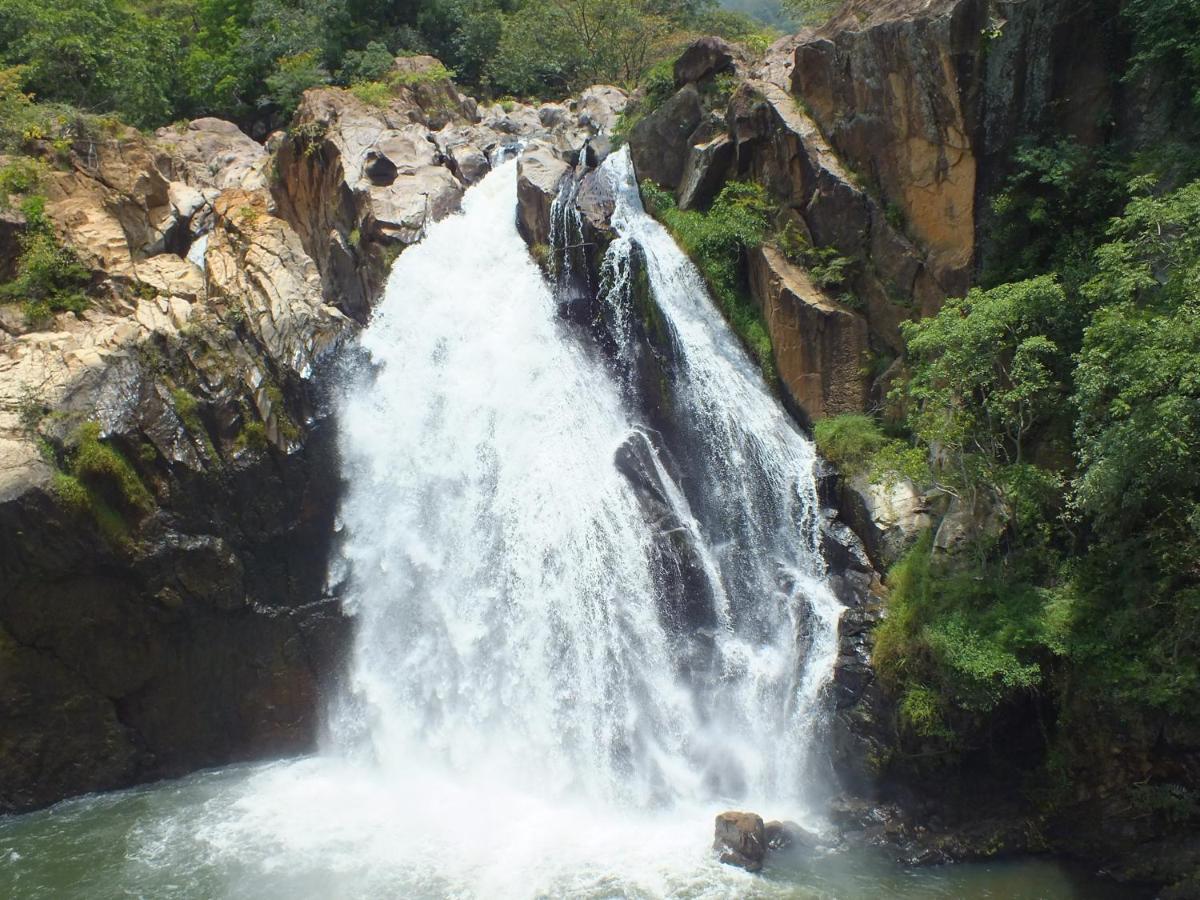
717, 241
20, 176
92, 54
95, 462
431, 75
253, 436
1050, 211
250, 60
96, 481
370, 64
811, 12
49, 277
828, 268
958, 643
567, 44
187, 408
1166, 41
857, 446
988, 375
1073, 401
293, 76
373, 93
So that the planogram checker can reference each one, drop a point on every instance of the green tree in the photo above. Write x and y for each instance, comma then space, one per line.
97, 55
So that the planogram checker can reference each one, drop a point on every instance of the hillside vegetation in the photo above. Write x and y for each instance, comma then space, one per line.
249, 60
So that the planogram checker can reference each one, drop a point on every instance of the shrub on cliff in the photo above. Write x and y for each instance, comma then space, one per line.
717, 241
50, 278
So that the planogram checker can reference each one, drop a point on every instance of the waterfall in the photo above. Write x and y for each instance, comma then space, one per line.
506, 577
578, 636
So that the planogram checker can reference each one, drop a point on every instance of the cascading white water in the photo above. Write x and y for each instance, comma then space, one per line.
757, 497
497, 560
500, 566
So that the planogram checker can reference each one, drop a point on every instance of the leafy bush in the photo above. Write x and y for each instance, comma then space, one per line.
373, 93
976, 637
50, 278
293, 76
20, 176
431, 75
370, 64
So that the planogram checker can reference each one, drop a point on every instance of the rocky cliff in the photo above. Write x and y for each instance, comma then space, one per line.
168, 472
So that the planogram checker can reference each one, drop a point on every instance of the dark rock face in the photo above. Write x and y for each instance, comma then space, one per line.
740, 839
928, 100
206, 643
660, 142
819, 343
539, 175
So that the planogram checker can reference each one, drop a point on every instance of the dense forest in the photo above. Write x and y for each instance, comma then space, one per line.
250, 60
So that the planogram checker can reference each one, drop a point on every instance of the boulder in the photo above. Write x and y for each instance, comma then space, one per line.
539, 175
213, 153
888, 516
706, 57
965, 523
819, 344
787, 835
740, 839
704, 172
659, 143
600, 106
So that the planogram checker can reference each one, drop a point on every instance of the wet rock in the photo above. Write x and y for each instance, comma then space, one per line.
659, 142
686, 595
740, 839
787, 835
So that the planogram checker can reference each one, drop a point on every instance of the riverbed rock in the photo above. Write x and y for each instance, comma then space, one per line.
740, 839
